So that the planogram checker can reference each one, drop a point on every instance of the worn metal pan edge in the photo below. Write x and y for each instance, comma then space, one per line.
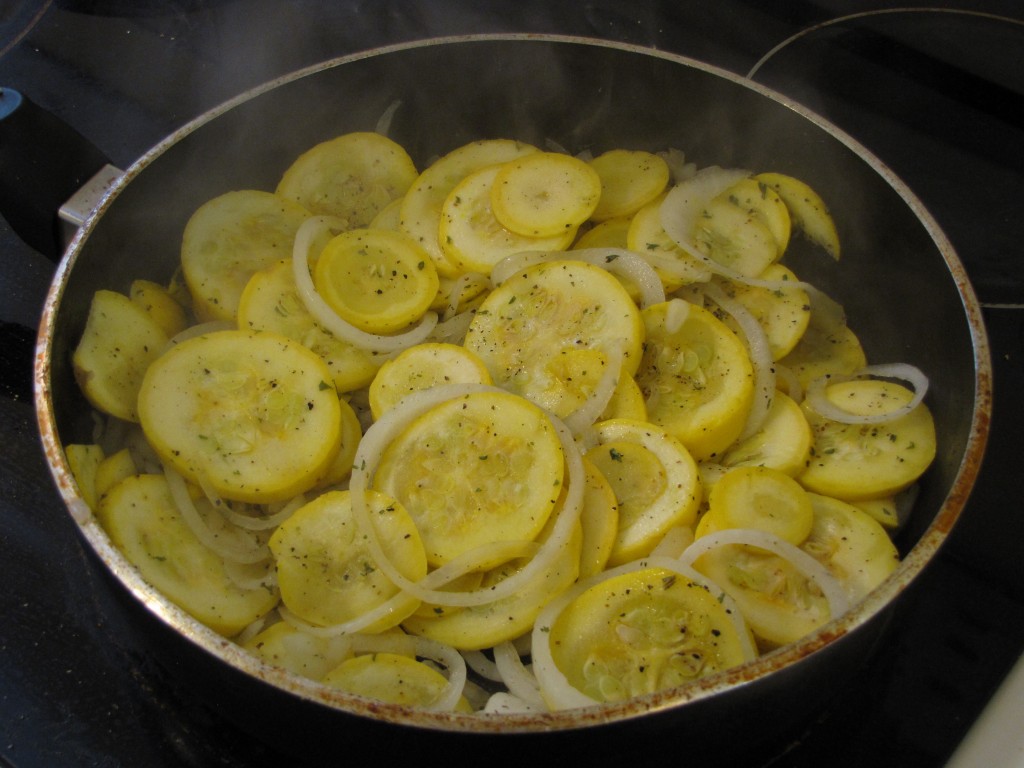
227, 652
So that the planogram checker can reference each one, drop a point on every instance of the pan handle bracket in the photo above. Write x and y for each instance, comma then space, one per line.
77, 209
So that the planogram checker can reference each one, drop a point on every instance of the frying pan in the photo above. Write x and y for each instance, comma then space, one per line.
903, 287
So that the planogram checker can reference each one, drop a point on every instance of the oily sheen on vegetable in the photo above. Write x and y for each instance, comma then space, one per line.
516, 431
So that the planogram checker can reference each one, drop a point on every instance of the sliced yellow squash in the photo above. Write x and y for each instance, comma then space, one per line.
161, 305
807, 210
252, 415
83, 460
779, 602
378, 280
655, 481
420, 214
119, 342
271, 302
545, 194
821, 352
674, 266
867, 461
353, 177
696, 376
351, 433
485, 626
473, 238
599, 519
113, 469
229, 238
529, 329
423, 366
782, 442
784, 312
764, 203
735, 237
325, 570
610, 233
393, 678
763, 499
641, 632
852, 545
143, 522
473, 470
299, 652
630, 179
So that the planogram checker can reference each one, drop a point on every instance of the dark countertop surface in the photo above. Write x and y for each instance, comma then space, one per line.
934, 91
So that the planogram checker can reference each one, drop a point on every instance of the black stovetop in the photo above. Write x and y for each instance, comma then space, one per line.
935, 92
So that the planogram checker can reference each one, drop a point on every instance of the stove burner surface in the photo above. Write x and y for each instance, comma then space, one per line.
939, 96
17, 18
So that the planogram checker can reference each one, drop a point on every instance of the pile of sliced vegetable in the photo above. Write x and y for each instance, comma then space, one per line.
520, 431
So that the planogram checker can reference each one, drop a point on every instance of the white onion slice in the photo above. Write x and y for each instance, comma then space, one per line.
678, 168
516, 677
517, 262
253, 629
628, 264
453, 330
676, 314
684, 205
830, 587
906, 372
265, 522
372, 447
620, 261
307, 233
760, 357
464, 284
483, 666
384, 121
209, 539
502, 703
423, 648
476, 559
551, 145
240, 575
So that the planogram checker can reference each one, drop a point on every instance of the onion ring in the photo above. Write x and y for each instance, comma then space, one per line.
517, 678
190, 514
620, 261
914, 376
368, 454
327, 317
423, 648
557, 691
760, 356
803, 562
